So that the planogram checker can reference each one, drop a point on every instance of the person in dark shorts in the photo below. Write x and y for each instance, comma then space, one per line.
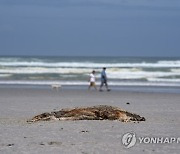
104, 80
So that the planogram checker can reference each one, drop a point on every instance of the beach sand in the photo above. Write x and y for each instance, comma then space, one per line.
17, 105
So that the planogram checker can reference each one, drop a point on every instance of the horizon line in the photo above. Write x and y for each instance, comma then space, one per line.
91, 56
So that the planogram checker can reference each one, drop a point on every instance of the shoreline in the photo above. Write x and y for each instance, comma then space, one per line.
127, 88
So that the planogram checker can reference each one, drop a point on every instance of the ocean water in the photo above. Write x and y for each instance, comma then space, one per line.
121, 71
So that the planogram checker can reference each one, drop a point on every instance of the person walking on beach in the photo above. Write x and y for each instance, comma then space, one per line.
92, 80
104, 80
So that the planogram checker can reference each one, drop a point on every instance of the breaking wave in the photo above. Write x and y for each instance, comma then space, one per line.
75, 71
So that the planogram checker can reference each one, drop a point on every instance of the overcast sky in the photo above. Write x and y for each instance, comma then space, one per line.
90, 27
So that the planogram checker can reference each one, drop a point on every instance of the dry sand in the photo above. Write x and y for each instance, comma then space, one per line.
161, 110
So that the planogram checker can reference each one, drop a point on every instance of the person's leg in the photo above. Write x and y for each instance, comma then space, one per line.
107, 86
100, 89
95, 86
90, 85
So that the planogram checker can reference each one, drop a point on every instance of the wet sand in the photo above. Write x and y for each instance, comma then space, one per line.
161, 110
